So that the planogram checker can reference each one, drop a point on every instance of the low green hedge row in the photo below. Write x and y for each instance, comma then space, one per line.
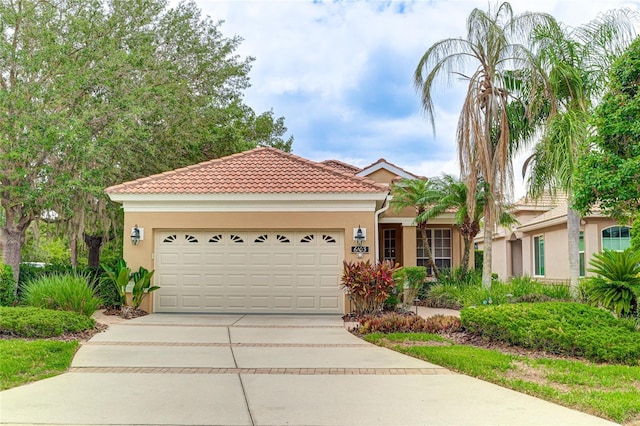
41, 323
561, 328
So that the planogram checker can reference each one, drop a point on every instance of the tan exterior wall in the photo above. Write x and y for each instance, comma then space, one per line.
556, 246
500, 258
142, 254
409, 245
382, 176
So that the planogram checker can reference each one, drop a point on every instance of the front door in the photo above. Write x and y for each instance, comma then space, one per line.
391, 243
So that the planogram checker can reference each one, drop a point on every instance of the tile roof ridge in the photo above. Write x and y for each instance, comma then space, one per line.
341, 163
333, 170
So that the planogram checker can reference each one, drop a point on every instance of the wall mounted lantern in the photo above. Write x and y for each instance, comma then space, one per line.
359, 235
136, 235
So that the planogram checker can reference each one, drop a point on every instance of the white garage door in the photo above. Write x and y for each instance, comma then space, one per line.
257, 272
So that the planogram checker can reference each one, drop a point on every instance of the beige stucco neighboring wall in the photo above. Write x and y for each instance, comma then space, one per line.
556, 246
382, 176
500, 257
143, 253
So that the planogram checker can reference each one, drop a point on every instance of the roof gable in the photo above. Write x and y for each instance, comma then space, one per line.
384, 164
258, 171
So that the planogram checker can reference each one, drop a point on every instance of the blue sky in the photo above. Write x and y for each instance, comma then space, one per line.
340, 72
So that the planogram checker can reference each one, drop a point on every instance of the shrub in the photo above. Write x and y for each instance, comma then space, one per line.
7, 285
119, 276
617, 284
410, 280
397, 323
63, 292
561, 328
41, 323
141, 286
367, 285
444, 296
457, 277
109, 294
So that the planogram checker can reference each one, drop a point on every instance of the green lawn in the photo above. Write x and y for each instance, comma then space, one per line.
24, 361
609, 391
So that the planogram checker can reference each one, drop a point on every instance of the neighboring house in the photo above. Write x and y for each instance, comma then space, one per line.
538, 245
265, 231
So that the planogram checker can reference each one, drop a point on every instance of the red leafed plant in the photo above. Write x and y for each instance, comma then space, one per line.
368, 285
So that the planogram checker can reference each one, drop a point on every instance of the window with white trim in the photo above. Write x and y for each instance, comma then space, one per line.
616, 238
538, 255
440, 243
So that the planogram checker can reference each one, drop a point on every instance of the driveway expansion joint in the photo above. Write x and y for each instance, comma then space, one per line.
289, 371
234, 345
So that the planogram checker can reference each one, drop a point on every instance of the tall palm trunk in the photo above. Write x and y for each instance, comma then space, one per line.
573, 234
427, 248
487, 249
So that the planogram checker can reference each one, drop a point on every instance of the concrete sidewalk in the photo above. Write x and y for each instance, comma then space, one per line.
262, 370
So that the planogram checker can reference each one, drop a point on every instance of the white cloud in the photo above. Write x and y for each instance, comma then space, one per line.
341, 72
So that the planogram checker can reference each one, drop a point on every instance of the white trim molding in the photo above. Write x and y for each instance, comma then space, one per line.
384, 165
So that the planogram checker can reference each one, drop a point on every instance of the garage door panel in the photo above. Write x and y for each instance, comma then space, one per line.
237, 302
259, 280
237, 280
260, 259
306, 281
283, 302
214, 280
236, 259
168, 259
283, 259
259, 302
166, 279
329, 259
191, 301
214, 259
329, 302
213, 302
239, 271
305, 302
168, 302
191, 280
305, 259
283, 281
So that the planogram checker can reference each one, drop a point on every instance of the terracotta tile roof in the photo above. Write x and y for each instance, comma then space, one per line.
260, 170
348, 168
545, 200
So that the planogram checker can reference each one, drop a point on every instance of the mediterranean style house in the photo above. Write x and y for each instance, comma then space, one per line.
265, 231
538, 245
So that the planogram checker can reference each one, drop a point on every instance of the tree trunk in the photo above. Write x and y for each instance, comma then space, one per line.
12, 236
73, 249
427, 248
465, 256
11, 241
573, 234
488, 241
94, 243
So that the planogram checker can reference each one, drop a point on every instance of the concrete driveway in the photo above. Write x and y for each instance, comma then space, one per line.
166, 369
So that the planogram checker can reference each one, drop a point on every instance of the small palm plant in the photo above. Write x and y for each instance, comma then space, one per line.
617, 283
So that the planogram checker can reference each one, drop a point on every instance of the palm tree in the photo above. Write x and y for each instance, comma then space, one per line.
419, 194
486, 59
453, 196
576, 62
